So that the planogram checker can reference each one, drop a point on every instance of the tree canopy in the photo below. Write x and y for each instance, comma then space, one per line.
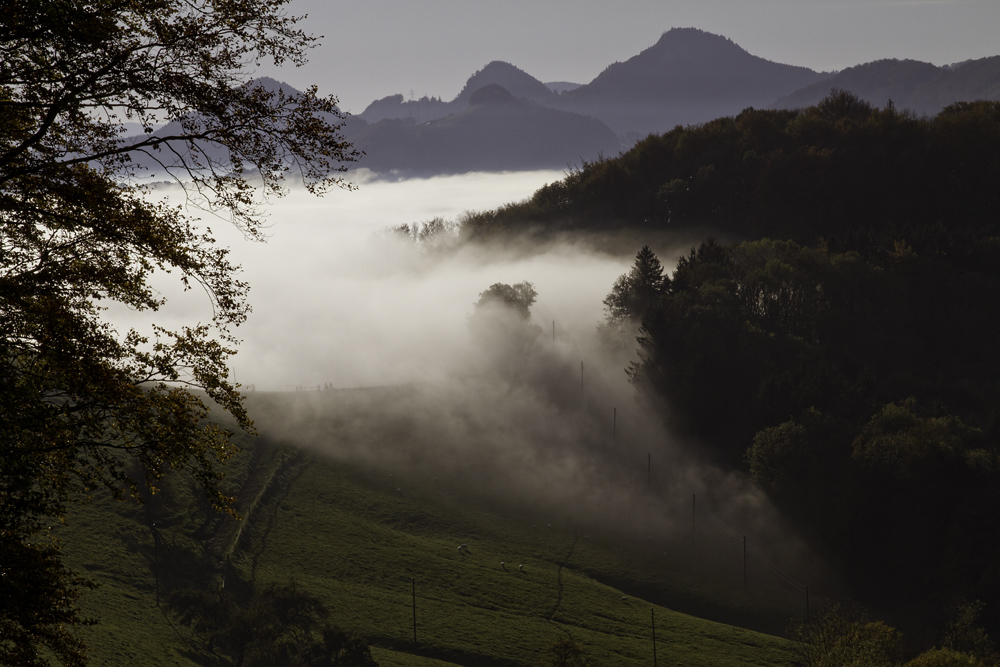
842, 170
277, 625
83, 406
517, 297
859, 391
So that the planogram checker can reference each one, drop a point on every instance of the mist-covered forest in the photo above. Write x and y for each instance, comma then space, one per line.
836, 334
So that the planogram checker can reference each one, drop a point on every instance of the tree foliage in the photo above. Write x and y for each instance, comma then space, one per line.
83, 406
858, 389
518, 297
841, 170
278, 625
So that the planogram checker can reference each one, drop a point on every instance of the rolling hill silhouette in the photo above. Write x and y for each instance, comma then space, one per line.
917, 86
495, 132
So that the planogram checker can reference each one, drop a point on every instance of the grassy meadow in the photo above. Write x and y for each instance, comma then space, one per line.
364, 539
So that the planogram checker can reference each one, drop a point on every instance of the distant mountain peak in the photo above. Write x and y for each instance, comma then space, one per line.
691, 45
496, 66
679, 36
688, 75
513, 79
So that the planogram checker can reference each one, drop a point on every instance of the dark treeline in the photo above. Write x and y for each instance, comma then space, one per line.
861, 393
852, 367
842, 170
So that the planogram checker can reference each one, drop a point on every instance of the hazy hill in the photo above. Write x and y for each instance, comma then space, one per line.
516, 81
917, 86
688, 76
158, 160
394, 106
495, 132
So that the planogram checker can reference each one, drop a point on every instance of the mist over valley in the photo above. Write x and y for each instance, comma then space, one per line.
693, 360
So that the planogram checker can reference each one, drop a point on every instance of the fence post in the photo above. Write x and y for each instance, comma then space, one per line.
652, 622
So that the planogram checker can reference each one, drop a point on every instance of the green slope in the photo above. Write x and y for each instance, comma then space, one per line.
356, 536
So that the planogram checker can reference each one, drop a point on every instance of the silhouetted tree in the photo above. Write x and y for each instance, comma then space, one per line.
279, 625
631, 296
500, 325
81, 404
519, 297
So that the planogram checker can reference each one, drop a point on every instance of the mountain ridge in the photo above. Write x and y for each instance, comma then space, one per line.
920, 87
688, 76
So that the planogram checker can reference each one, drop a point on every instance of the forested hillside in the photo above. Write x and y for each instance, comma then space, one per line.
843, 171
860, 392
842, 345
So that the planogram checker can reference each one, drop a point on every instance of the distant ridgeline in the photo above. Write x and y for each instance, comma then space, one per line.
504, 119
851, 366
688, 77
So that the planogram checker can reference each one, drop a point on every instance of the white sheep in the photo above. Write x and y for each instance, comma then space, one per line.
462, 546
520, 568
503, 565
624, 598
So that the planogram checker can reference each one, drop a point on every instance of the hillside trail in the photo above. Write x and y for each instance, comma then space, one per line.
271, 463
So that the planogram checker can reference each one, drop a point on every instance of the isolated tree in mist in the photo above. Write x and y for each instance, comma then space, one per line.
82, 405
500, 325
518, 297
631, 296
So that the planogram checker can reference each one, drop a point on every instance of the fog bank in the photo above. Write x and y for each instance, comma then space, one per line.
335, 302
359, 348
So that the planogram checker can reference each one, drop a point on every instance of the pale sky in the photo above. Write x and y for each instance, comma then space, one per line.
374, 48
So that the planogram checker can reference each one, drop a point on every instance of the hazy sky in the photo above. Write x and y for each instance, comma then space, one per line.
375, 48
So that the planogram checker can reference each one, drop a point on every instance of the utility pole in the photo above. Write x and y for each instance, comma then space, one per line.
413, 586
693, 524
744, 562
156, 563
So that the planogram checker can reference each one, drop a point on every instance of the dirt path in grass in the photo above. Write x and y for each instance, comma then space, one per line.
563, 562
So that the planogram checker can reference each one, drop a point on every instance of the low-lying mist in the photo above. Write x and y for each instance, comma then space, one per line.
359, 348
